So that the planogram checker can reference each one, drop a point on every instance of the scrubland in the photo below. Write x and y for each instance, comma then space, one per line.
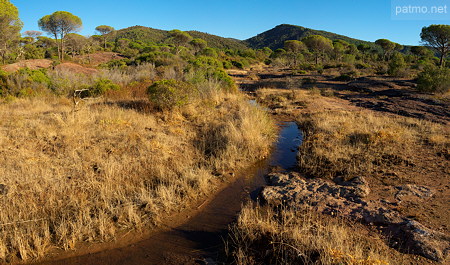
348, 143
345, 141
112, 164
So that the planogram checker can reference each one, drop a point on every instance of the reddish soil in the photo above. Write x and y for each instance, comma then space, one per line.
426, 166
32, 64
97, 58
76, 68
195, 233
82, 64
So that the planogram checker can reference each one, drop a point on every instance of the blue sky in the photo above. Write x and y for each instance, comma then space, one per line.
362, 19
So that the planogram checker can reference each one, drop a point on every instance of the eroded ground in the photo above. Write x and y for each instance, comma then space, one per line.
413, 183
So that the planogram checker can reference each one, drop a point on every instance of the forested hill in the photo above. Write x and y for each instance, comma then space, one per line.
275, 37
146, 34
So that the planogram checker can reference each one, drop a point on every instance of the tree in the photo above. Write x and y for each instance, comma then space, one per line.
179, 38
437, 37
294, 46
10, 26
339, 47
75, 43
104, 30
397, 64
198, 44
26, 40
293, 49
45, 42
421, 51
363, 48
387, 46
32, 33
59, 24
318, 45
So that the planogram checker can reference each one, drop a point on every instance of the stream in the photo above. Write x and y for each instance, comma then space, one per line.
201, 236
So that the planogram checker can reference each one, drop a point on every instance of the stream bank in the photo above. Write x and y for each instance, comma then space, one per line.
199, 238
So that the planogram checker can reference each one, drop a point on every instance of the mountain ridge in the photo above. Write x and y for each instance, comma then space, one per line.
275, 37
148, 34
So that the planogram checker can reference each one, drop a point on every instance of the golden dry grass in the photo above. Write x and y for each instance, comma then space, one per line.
345, 140
86, 175
348, 143
266, 236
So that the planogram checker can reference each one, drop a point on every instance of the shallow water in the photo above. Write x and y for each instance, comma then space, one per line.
201, 236
285, 153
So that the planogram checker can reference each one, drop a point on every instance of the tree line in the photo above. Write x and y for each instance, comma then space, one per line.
314, 52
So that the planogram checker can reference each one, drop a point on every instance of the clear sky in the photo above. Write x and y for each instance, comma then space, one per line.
241, 19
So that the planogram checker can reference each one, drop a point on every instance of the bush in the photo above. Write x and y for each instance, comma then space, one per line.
349, 58
396, 65
205, 68
3, 87
344, 77
101, 86
167, 94
227, 65
38, 76
434, 80
25, 82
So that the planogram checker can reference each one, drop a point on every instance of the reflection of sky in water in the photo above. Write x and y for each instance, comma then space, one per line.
285, 154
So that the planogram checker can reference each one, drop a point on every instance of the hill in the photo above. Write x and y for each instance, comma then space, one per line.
275, 37
146, 34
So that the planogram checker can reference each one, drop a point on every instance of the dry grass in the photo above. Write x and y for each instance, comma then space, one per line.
79, 176
266, 236
348, 143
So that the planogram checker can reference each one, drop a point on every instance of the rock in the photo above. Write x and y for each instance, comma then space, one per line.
417, 191
360, 185
424, 241
346, 199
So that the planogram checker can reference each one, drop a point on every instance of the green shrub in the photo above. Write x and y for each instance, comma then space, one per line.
101, 86
434, 79
227, 65
118, 63
25, 82
349, 58
362, 66
307, 67
170, 93
3, 87
38, 76
309, 81
238, 64
396, 65
205, 68
344, 77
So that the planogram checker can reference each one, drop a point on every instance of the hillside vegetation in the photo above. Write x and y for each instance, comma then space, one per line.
151, 35
275, 38
90, 153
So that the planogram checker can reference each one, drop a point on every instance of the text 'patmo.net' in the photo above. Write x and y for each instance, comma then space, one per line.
420, 9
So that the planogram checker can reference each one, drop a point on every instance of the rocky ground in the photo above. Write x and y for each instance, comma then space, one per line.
348, 199
406, 203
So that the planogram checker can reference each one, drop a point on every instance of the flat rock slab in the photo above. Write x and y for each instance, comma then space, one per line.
346, 199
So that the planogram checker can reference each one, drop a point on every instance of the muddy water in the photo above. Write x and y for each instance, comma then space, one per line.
199, 238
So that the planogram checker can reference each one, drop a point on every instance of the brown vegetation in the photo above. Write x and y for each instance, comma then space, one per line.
285, 236
85, 175
396, 149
